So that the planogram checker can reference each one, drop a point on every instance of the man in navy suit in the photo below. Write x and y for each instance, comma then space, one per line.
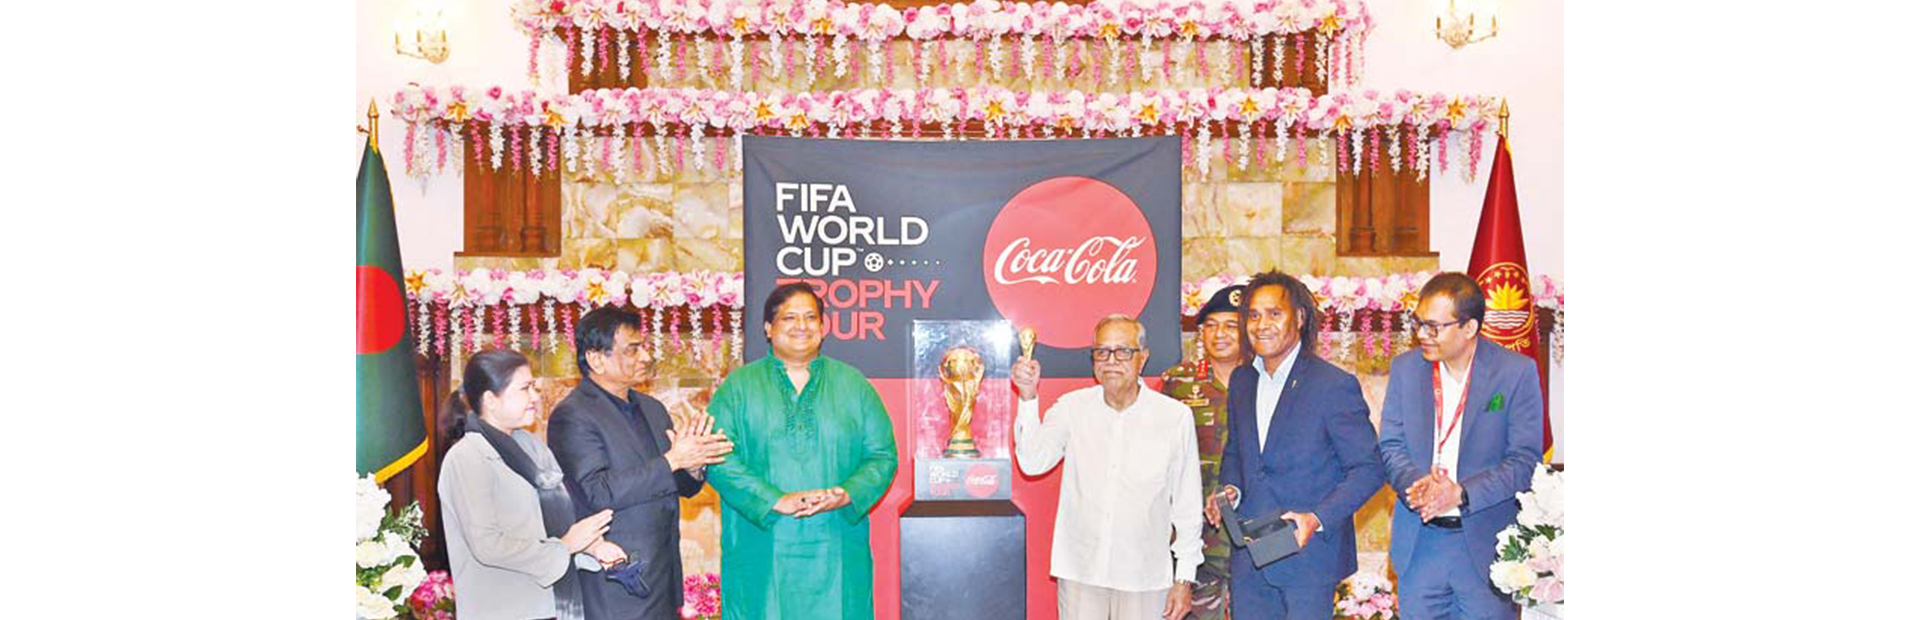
1300, 443
1460, 434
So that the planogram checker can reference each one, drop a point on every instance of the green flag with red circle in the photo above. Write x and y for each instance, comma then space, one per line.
390, 433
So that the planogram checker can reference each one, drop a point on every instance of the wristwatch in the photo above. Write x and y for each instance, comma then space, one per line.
1463, 498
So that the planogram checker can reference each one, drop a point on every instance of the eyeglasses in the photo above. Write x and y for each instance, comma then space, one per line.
1433, 329
1118, 353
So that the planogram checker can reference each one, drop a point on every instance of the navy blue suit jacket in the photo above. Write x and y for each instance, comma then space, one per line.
1498, 448
1319, 458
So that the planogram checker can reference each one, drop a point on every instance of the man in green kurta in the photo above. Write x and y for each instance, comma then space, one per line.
813, 452
1202, 384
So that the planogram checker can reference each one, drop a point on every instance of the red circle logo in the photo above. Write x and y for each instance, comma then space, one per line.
1065, 252
982, 480
382, 311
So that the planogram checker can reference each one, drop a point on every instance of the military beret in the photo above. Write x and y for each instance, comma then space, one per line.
1226, 299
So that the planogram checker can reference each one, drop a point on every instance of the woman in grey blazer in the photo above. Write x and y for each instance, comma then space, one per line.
511, 538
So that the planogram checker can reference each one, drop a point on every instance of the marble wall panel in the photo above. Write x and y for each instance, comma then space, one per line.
700, 211
707, 254
1250, 209
581, 253
644, 255
1199, 214
1312, 208
1202, 258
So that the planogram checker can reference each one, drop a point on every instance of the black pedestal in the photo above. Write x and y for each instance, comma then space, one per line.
963, 560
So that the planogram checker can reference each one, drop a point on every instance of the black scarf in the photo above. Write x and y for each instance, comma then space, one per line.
556, 510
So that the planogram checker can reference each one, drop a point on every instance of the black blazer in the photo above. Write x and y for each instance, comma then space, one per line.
610, 461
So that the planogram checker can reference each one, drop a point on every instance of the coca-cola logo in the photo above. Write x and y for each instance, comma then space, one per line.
982, 480
1063, 253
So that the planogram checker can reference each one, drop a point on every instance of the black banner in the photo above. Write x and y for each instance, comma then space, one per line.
1047, 234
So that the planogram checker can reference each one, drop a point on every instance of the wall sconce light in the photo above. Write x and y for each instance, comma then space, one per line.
422, 36
1476, 23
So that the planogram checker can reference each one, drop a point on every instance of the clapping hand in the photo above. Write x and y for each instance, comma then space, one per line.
698, 444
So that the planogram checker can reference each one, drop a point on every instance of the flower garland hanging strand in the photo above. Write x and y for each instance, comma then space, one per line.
513, 324
440, 329
553, 339
739, 339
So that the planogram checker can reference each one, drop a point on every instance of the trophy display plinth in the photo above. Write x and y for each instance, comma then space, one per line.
963, 543
963, 560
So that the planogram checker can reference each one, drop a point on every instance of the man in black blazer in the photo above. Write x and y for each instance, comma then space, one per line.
620, 451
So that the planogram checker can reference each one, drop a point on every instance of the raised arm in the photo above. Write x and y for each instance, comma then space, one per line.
1037, 445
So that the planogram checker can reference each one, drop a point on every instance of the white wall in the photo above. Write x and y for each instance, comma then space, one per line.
487, 49
1524, 64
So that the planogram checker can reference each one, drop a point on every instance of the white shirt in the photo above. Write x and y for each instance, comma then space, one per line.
1452, 392
1132, 479
1267, 394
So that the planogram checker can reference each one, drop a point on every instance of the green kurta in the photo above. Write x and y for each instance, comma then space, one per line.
835, 433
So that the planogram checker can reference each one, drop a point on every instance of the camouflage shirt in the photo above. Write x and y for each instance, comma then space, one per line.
1206, 393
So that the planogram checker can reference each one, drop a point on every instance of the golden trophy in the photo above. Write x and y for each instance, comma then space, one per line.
1027, 338
961, 371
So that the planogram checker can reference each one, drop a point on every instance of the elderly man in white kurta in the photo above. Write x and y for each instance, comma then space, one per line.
1132, 481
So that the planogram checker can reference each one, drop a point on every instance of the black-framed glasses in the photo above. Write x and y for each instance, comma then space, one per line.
1433, 329
1101, 354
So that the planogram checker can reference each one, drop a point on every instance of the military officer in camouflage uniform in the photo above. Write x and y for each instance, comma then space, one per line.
1202, 384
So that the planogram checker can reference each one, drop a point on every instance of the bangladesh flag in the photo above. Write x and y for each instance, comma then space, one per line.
389, 431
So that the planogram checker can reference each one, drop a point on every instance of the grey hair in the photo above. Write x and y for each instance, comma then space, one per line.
1139, 329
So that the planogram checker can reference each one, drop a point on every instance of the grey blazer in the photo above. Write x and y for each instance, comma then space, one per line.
504, 564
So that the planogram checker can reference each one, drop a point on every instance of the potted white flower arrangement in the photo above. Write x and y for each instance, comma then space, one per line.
1531, 551
386, 567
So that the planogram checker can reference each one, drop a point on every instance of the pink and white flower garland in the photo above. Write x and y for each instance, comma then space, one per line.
460, 302
1364, 315
825, 29
1402, 127
1369, 315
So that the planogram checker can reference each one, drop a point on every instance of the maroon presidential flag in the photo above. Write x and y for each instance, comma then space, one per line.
1499, 264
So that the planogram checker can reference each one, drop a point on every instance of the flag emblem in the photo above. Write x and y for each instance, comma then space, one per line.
1509, 305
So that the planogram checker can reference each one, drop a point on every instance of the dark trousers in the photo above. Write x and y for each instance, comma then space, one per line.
1253, 597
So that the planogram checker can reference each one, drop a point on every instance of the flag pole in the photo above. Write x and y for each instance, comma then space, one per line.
373, 123
1503, 117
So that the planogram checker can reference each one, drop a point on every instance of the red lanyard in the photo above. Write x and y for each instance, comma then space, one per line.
1439, 406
